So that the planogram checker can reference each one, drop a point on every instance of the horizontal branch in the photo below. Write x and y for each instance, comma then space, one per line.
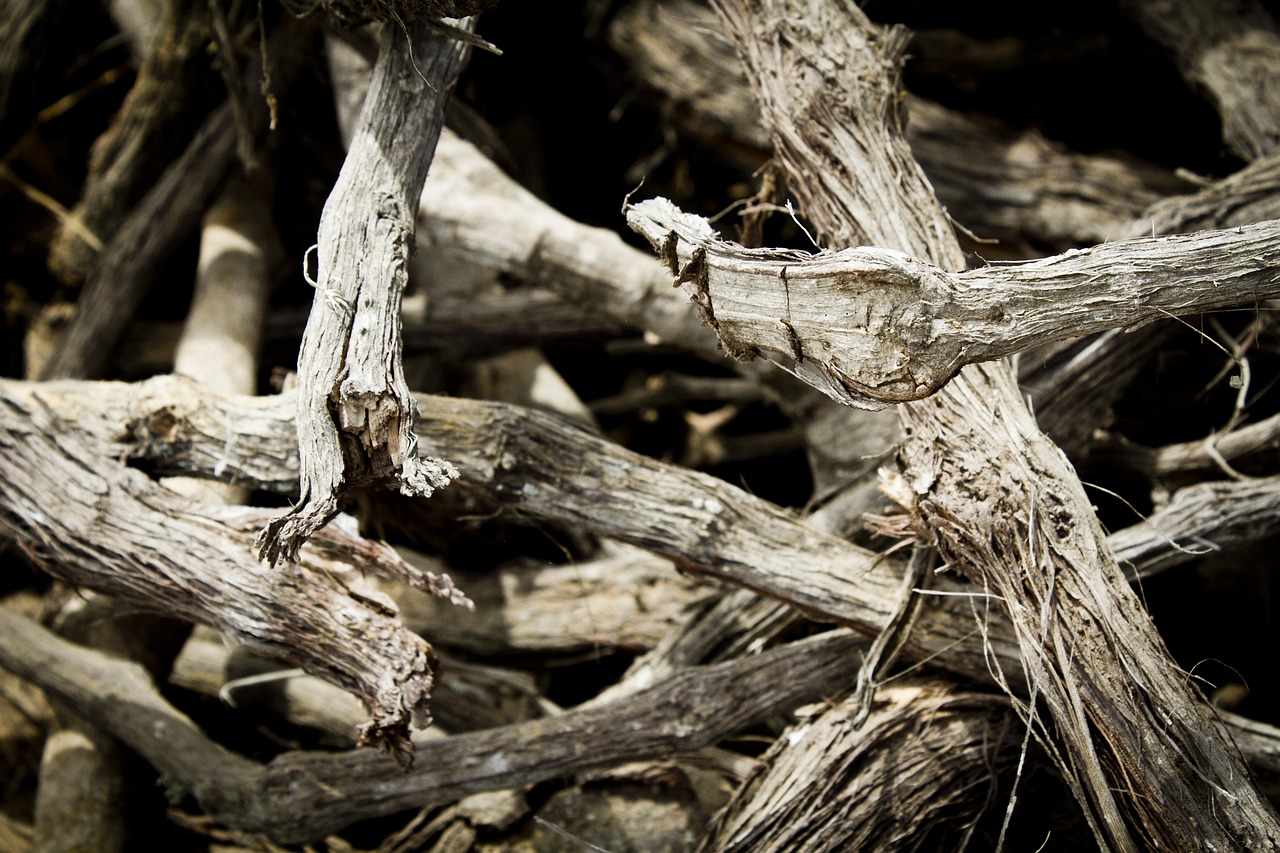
81, 515
303, 796
872, 326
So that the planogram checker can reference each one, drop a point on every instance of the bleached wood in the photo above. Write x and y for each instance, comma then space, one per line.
1229, 49
1146, 759
872, 326
355, 413
83, 516
304, 796
996, 181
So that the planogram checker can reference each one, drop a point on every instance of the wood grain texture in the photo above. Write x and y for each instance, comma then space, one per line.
355, 413
872, 326
303, 796
1146, 759
81, 515
1229, 50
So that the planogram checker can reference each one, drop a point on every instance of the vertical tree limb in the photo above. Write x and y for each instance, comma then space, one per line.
1146, 759
355, 413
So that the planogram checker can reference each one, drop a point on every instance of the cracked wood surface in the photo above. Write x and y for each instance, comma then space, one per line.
355, 412
303, 796
872, 326
534, 462
1147, 760
85, 518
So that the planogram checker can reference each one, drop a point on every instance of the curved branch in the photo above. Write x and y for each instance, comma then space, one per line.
872, 326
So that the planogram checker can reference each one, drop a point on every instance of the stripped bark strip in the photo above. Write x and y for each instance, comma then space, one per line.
355, 412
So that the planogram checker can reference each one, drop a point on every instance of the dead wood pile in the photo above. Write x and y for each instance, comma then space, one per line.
765, 425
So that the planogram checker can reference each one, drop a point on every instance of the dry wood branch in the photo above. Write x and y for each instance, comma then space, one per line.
626, 599
355, 413
1000, 501
467, 697
128, 157
89, 520
131, 260
1250, 195
917, 775
473, 213
1230, 49
1198, 520
534, 462
872, 326
997, 182
300, 796
1120, 707
250, 439
538, 464
1243, 444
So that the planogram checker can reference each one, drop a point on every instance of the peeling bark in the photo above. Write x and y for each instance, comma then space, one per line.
355, 413
870, 327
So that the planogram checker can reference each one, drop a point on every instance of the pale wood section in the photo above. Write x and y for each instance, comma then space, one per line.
355, 413
872, 326
1230, 50
996, 497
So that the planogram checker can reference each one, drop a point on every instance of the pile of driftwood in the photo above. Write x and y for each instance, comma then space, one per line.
531, 549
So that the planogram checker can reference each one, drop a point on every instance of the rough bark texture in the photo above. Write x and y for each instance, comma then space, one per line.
146, 133
355, 413
870, 327
1015, 185
302, 796
531, 462
89, 520
924, 748
1145, 758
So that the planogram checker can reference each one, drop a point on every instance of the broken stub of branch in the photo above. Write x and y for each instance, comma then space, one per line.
871, 327
355, 412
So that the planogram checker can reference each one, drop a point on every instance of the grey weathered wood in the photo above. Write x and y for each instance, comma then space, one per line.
921, 769
1146, 759
79, 513
538, 464
154, 121
303, 796
133, 258
1198, 520
998, 182
355, 413
530, 461
872, 326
